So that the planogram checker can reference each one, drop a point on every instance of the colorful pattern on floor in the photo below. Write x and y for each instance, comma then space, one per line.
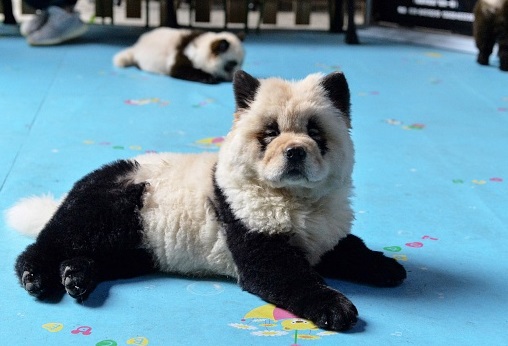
431, 134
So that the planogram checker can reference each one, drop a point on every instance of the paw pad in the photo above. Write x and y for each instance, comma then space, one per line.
28, 281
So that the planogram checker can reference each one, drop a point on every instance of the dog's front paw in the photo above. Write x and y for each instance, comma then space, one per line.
329, 310
385, 271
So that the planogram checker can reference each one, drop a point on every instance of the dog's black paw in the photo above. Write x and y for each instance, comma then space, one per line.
32, 283
78, 277
36, 276
329, 310
385, 271
38, 283
482, 59
352, 260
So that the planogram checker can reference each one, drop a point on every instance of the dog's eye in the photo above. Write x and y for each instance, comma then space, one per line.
268, 135
271, 133
314, 130
314, 133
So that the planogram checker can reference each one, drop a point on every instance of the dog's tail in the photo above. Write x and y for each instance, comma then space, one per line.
29, 215
124, 58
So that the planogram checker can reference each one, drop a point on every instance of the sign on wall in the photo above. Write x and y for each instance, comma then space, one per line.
452, 15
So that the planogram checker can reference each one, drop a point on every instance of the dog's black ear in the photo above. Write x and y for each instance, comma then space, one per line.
245, 87
337, 88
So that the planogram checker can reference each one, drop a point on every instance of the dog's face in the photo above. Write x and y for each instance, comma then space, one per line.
291, 134
228, 51
220, 54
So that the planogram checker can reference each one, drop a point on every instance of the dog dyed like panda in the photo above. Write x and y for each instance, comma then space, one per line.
199, 56
271, 209
490, 27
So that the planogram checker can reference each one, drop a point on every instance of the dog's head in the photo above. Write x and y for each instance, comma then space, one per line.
290, 134
220, 54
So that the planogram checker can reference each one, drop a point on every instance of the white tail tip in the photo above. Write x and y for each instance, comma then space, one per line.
29, 215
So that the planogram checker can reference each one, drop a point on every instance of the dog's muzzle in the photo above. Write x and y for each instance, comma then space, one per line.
295, 163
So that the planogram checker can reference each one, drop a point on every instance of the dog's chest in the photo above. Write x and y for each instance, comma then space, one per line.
318, 231
315, 227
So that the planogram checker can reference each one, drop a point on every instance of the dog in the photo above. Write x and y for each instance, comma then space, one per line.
193, 55
490, 26
271, 209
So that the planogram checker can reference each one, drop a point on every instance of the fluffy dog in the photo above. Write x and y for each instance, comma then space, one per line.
271, 209
491, 26
198, 56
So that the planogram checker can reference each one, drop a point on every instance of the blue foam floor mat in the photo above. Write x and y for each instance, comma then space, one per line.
431, 133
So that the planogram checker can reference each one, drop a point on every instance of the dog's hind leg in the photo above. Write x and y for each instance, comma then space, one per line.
352, 260
80, 275
95, 235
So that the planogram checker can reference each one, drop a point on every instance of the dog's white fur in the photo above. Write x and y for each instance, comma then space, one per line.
179, 221
155, 51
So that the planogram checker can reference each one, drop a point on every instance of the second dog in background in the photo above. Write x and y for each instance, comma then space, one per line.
490, 27
199, 56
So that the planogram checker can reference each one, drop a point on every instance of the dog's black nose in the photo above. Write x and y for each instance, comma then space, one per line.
295, 154
230, 65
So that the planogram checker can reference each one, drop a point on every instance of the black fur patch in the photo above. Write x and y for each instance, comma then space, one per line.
315, 131
95, 235
279, 273
245, 88
219, 46
268, 134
